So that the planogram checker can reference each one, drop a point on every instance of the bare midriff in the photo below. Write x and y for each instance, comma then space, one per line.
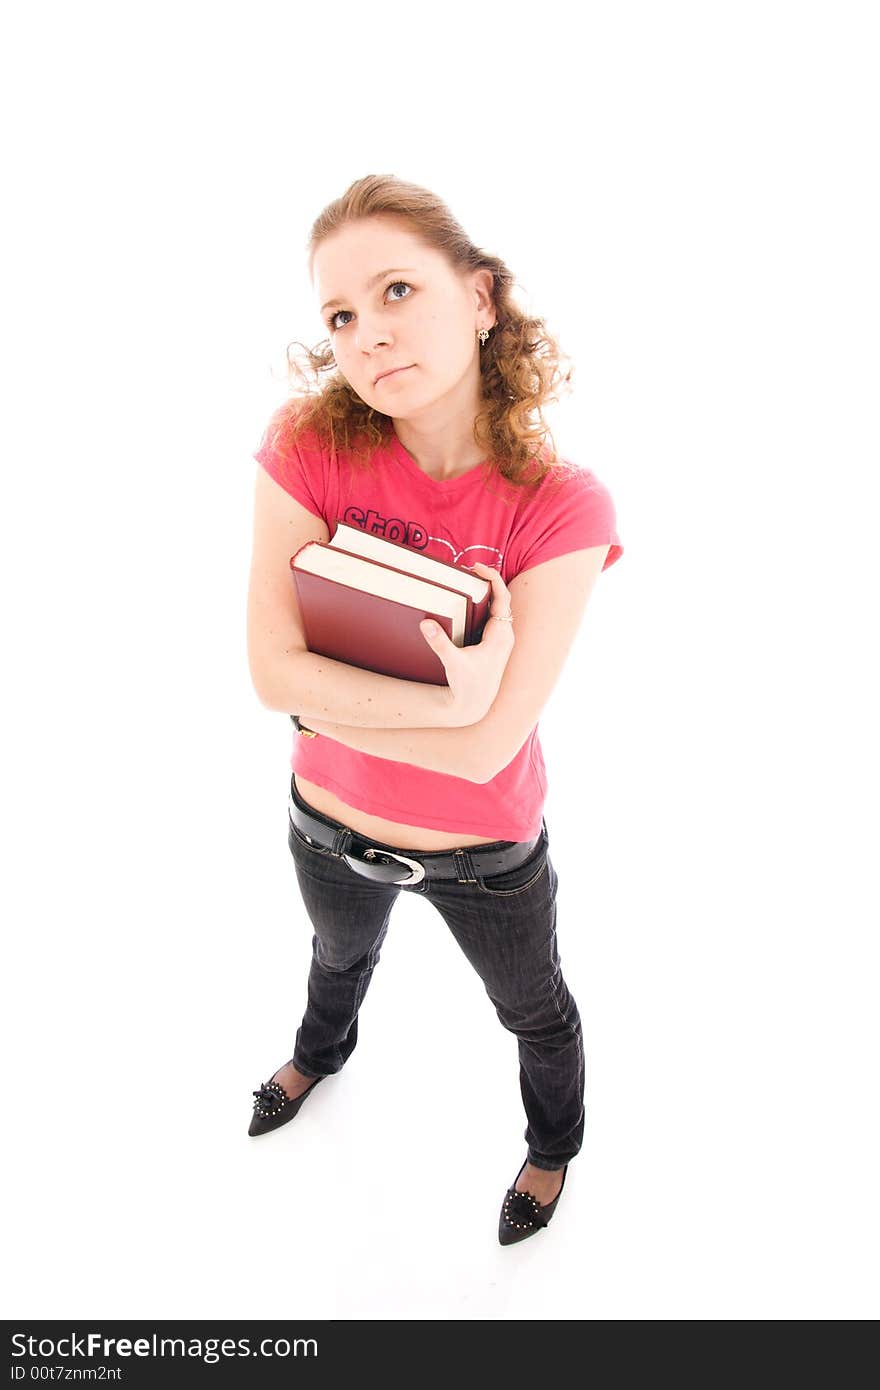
376, 828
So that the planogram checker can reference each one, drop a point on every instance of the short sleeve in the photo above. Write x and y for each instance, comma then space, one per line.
298, 466
574, 514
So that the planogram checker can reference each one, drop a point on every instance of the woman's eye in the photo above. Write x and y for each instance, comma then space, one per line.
395, 284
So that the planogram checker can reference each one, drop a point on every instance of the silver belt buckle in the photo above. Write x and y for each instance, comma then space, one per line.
417, 871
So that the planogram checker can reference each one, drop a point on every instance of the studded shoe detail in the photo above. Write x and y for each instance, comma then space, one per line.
270, 1099
273, 1107
522, 1214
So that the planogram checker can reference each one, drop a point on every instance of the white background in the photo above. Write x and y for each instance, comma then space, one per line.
687, 193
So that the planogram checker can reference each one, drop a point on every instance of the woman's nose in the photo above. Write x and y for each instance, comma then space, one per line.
370, 334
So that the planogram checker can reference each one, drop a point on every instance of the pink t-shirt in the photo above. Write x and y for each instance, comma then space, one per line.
459, 520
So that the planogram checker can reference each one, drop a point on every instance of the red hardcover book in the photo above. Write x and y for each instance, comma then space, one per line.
365, 611
479, 591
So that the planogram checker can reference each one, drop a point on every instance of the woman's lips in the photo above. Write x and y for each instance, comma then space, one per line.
396, 372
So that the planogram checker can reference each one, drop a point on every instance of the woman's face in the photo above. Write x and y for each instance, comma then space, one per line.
399, 304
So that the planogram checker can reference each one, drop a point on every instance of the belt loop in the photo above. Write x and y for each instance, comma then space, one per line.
464, 864
339, 839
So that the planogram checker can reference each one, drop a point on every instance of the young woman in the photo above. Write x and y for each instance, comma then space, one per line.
428, 430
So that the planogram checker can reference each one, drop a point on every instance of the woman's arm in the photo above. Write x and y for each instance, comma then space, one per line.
453, 751
316, 687
286, 675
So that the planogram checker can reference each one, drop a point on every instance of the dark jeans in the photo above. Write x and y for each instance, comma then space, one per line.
505, 925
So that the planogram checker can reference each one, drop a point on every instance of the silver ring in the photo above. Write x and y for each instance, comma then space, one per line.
502, 618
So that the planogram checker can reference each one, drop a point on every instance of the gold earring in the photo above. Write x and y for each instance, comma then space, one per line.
483, 334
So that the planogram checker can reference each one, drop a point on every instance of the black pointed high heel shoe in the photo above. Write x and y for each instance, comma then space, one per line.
522, 1214
273, 1107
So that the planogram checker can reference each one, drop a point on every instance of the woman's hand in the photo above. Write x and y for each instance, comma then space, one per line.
473, 674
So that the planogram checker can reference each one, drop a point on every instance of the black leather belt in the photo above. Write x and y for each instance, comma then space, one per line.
390, 864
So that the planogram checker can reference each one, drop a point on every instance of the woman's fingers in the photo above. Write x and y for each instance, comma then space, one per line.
500, 604
435, 634
474, 672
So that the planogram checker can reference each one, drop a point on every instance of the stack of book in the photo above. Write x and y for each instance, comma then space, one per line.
362, 597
